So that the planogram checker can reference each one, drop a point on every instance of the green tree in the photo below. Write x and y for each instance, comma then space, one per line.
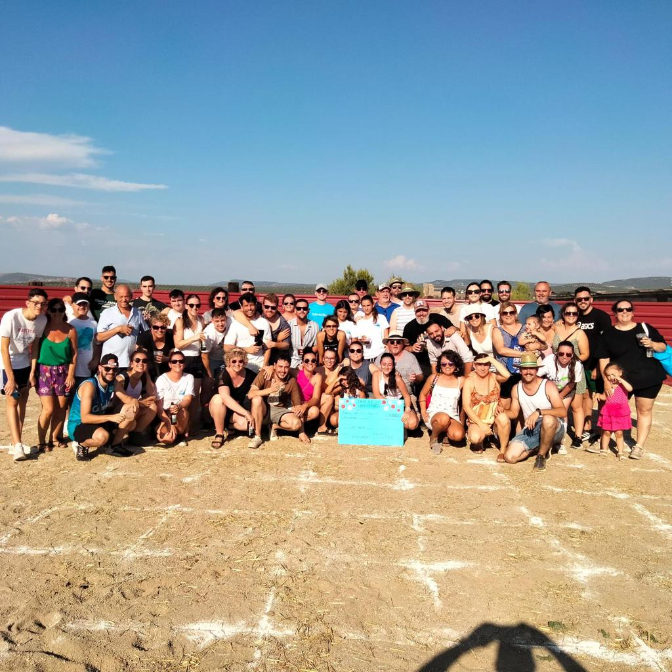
521, 292
346, 283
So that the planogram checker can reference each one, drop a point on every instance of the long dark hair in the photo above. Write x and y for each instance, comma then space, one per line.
352, 381
391, 384
54, 303
343, 303
213, 294
186, 320
374, 312
571, 367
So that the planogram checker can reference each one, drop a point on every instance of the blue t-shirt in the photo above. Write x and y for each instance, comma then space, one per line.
387, 311
317, 312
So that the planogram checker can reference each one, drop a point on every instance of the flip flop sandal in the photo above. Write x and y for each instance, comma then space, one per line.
436, 448
218, 441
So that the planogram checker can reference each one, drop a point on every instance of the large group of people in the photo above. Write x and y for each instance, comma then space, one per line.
113, 370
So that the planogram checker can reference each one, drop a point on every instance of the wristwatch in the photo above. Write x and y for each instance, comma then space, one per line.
538, 410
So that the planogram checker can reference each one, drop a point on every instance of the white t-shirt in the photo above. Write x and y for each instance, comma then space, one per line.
374, 332
238, 334
214, 339
86, 331
172, 393
172, 316
21, 334
348, 328
485, 308
559, 374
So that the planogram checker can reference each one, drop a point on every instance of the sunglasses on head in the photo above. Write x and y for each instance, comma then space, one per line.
177, 361
159, 327
624, 310
139, 360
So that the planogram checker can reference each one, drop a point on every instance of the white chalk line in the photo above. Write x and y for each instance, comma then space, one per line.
657, 524
606, 493
27, 521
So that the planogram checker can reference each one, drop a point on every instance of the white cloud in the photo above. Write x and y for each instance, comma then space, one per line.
80, 181
20, 147
52, 222
570, 256
400, 263
40, 199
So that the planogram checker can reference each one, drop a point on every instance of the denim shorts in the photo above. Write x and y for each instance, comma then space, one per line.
531, 438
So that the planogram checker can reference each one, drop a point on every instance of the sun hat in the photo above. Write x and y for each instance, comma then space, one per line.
528, 360
474, 309
395, 336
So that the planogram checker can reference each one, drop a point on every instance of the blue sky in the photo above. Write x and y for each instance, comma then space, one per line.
284, 140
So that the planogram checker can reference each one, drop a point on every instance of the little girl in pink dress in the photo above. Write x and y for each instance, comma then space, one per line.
615, 412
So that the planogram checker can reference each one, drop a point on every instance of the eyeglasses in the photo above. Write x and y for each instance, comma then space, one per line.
485, 290
109, 368
248, 289
288, 303
220, 298
355, 301
582, 298
109, 277
565, 354
302, 307
310, 361
86, 290
356, 350
38, 304
395, 286
139, 360
158, 327
56, 310
474, 291
177, 361
194, 305
267, 307
569, 313
444, 364
508, 312
475, 316
504, 291
237, 361
320, 291
624, 310
331, 326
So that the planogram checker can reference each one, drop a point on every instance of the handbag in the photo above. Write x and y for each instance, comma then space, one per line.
664, 357
428, 398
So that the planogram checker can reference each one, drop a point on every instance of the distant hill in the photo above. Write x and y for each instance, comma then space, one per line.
651, 282
24, 278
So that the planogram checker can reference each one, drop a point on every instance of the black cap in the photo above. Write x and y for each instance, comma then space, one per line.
80, 297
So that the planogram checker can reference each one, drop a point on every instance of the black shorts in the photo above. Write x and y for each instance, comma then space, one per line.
85, 432
21, 377
228, 413
193, 364
508, 385
648, 392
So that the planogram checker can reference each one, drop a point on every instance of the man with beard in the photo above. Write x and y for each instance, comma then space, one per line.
438, 341
415, 332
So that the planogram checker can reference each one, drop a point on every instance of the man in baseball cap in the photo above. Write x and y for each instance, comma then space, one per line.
415, 333
384, 306
320, 309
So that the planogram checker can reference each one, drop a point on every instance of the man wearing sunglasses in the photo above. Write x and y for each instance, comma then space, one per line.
103, 297
363, 368
593, 321
86, 328
84, 286
542, 294
120, 326
90, 423
280, 329
396, 287
20, 333
304, 332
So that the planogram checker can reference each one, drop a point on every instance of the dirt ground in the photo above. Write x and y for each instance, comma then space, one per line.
324, 557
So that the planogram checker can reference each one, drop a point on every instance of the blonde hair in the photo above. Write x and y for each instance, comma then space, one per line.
235, 353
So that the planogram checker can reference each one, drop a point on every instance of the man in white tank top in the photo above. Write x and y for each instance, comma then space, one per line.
543, 411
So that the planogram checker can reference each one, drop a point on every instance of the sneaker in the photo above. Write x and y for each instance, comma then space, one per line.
561, 449
256, 442
18, 453
593, 448
577, 442
29, 450
636, 452
121, 450
539, 463
436, 448
273, 434
586, 436
82, 453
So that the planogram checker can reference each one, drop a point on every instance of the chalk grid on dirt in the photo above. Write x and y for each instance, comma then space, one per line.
325, 557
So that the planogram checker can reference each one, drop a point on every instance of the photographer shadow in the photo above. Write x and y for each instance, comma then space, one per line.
517, 645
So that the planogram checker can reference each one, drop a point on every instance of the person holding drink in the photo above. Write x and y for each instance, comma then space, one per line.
158, 341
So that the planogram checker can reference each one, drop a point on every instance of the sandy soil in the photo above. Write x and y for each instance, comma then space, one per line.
325, 557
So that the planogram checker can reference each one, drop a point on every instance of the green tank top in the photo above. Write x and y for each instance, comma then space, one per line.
54, 354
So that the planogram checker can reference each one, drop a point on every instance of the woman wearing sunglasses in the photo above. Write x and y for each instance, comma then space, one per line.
135, 391
288, 303
158, 341
230, 407
388, 384
219, 298
439, 400
568, 329
56, 375
175, 393
473, 297
479, 335
331, 338
190, 338
505, 341
631, 345
310, 384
